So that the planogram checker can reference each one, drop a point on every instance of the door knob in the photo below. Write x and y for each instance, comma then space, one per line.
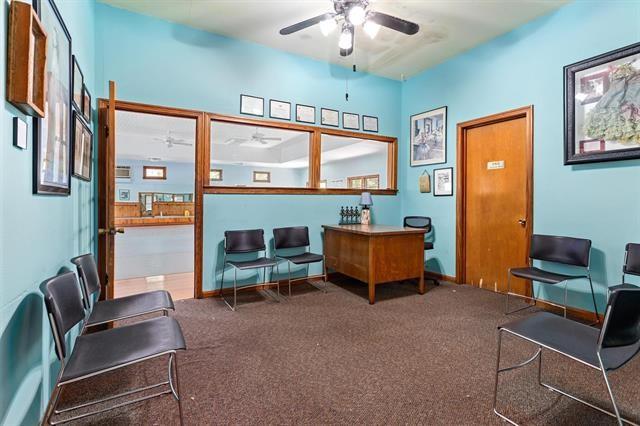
110, 231
522, 222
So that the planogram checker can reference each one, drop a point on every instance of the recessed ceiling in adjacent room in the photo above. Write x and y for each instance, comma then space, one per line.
447, 28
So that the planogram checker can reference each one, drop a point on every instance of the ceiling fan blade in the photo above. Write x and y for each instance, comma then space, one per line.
181, 143
270, 139
394, 23
306, 23
234, 140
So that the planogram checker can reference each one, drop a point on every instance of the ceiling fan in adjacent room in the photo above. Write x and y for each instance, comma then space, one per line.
170, 141
350, 14
256, 137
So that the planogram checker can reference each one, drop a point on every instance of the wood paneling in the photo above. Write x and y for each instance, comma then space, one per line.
126, 209
168, 208
154, 221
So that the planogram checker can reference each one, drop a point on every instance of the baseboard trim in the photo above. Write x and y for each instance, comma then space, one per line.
582, 315
438, 276
297, 281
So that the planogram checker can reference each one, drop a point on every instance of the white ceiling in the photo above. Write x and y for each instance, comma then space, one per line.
447, 27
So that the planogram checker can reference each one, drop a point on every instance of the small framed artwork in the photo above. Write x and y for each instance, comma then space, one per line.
305, 114
78, 85
19, 133
329, 117
279, 109
252, 105
350, 121
124, 195
601, 117
429, 137
443, 182
262, 177
82, 148
215, 175
86, 104
369, 124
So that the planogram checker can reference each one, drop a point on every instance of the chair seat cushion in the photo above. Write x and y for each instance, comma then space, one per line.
622, 286
539, 275
304, 258
261, 262
428, 245
130, 306
571, 338
118, 346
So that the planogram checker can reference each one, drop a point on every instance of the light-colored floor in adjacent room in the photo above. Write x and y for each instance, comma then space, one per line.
179, 285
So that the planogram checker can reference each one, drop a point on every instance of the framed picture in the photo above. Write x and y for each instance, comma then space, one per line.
429, 137
82, 148
443, 182
262, 177
78, 85
52, 134
306, 114
601, 110
86, 104
329, 117
124, 195
369, 124
19, 133
350, 121
279, 109
252, 105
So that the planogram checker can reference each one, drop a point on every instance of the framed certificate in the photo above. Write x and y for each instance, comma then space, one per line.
252, 105
350, 121
306, 114
329, 117
279, 109
369, 124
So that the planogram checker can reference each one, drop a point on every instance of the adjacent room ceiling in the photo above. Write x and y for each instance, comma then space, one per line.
447, 27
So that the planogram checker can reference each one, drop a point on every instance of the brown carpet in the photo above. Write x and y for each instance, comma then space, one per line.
334, 359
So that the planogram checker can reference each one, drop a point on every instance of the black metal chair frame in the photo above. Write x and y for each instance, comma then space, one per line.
264, 285
557, 305
538, 356
307, 277
52, 407
428, 229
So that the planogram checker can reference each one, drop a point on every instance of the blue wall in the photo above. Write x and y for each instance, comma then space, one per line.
524, 67
38, 237
158, 62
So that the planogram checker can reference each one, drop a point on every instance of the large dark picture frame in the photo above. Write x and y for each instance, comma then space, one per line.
82, 148
51, 154
602, 107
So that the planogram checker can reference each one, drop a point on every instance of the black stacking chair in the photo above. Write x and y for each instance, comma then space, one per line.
631, 266
105, 311
562, 250
603, 350
297, 237
97, 353
246, 242
421, 222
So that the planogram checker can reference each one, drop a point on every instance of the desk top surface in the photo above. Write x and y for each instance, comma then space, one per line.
374, 229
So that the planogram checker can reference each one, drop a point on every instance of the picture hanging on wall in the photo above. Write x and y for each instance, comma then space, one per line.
252, 105
369, 124
429, 137
82, 148
52, 134
86, 104
279, 109
350, 121
443, 182
305, 114
19, 133
78, 85
329, 117
602, 107
124, 195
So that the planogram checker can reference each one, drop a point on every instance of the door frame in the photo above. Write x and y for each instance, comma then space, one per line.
524, 112
107, 153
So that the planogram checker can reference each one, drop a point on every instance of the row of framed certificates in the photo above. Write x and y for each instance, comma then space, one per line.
254, 105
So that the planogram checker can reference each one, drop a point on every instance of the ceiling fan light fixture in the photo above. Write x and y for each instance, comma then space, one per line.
357, 15
327, 26
371, 29
346, 38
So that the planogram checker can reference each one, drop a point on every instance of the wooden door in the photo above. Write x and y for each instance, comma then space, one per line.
495, 198
106, 185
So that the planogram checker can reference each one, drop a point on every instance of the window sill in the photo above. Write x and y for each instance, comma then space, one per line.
294, 191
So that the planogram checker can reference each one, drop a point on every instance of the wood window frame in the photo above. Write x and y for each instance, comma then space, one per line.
164, 172
216, 170
315, 140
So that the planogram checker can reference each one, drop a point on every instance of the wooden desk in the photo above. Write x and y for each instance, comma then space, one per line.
375, 254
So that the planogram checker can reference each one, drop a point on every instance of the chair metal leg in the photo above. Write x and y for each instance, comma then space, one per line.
278, 273
222, 281
235, 288
324, 273
613, 400
289, 266
177, 394
593, 296
564, 308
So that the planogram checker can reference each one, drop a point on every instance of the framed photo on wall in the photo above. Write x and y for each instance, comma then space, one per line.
279, 109
350, 121
124, 195
429, 137
369, 124
305, 114
86, 104
52, 134
78, 85
329, 117
82, 148
602, 107
19, 133
252, 105
443, 182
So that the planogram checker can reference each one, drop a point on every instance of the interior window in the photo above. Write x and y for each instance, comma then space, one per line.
353, 163
154, 172
258, 156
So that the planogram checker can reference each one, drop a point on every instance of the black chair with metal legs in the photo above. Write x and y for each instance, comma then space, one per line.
106, 311
631, 266
603, 350
104, 351
297, 237
246, 242
421, 222
561, 250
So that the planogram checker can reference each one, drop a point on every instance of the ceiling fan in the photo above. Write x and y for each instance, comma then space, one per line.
256, 137
171, 141
350, 14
